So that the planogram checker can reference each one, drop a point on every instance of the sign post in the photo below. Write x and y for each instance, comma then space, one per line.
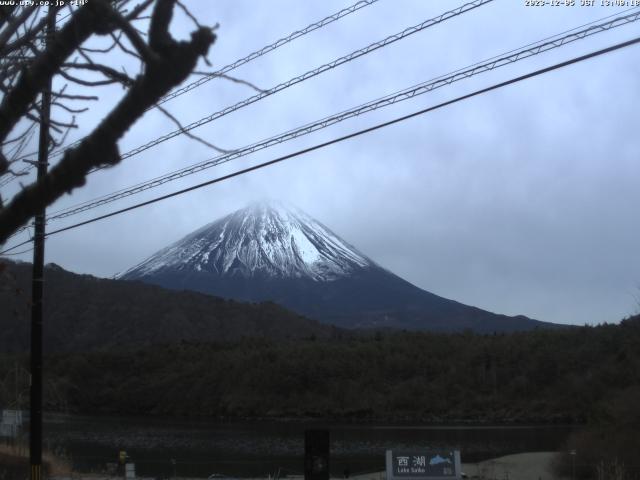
423, 465
316, 455
130, 471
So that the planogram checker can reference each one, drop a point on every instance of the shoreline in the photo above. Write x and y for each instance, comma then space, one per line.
519, 466
405, 421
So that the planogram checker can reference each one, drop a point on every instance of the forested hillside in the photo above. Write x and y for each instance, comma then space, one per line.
83, 312
570, 375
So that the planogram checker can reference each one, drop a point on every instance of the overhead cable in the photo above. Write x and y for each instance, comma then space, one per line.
258, 53
295, 80
309, 74
420, 89
346, 137
232, 66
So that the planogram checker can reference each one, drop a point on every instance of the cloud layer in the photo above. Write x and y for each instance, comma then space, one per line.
522, 200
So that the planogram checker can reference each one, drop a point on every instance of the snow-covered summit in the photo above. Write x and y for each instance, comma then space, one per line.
274, 252
267, 239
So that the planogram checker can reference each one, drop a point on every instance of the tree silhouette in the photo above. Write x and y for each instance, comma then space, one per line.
28, 62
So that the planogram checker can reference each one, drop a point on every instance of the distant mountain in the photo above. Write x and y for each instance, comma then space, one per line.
264, 241
82, 312
269, 251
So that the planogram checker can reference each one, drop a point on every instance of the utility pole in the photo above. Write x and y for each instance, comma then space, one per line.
37, 282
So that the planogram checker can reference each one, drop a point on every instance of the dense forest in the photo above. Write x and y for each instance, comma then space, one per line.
586, 375
570, 375
83, 313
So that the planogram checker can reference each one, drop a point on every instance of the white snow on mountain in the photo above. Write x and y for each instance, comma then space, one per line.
267, 239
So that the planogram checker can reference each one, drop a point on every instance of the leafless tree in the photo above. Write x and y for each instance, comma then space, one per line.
30, 56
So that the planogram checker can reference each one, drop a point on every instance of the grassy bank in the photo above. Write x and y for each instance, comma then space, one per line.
14, 462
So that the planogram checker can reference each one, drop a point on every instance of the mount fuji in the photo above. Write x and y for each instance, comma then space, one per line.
271, 251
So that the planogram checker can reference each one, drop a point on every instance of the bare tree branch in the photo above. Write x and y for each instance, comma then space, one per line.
86, 83
102, 50
118, 42
172, 62
75, 97
135, 13
233, 79
15, 23
29, 36
146, 53
68, 108
5, 13
86, 21
189, 14
189, 134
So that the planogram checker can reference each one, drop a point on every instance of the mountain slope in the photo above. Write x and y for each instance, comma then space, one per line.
82, 312
262, 241
273, 252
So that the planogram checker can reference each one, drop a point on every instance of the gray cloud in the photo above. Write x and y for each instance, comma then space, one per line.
519, 201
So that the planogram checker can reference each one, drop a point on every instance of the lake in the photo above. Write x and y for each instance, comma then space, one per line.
167, 447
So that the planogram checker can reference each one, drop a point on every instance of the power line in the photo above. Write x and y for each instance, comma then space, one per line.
252, 56
347, 137
295, 80
232, 66
307, 75
511, 56
258, 53
18, 253
10, 178
420, 89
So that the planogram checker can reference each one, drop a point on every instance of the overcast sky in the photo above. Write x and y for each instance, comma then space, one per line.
520, 201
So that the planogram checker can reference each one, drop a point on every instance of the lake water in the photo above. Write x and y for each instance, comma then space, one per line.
257, 448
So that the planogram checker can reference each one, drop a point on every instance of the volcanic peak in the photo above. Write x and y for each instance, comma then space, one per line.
266, 239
